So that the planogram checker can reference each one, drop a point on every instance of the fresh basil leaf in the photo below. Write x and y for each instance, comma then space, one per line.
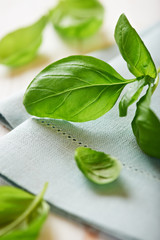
76, 88
98, 167
133, 50
22, 214
131, 96
146, 126
20, 47
77, 18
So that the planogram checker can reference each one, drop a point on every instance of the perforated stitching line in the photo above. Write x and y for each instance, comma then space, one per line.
79, 143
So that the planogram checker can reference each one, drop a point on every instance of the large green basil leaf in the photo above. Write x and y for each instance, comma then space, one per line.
77, 18
77, 88
98, 167
131, 96
133, 49
146, 126
21, 214
20, 47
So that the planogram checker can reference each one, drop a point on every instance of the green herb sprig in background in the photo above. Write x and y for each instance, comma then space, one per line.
21, 46
21, 214
72, 19
77, 19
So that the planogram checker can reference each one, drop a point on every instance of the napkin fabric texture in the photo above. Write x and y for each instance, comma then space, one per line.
42, 150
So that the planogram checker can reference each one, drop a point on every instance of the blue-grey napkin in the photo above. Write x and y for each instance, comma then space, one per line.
41, 150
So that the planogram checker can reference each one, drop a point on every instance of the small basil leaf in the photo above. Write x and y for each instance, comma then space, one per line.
22, 214
20, 47
146, 127
77, 18
77, 88
131, 96
98, 167
133, 49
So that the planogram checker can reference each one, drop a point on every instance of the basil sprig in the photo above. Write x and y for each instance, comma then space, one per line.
74, 19
82, 88
21, 214
77, 19
98, 167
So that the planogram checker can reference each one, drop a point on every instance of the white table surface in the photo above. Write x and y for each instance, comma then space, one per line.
14, 14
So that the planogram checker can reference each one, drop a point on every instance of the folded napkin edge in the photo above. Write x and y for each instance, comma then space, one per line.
5, 123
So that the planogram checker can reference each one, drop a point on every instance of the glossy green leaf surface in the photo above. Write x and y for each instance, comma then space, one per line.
20, 47
146, 127
133, 49
130, 96
76, 18
97, 166
77, 88
22, 214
